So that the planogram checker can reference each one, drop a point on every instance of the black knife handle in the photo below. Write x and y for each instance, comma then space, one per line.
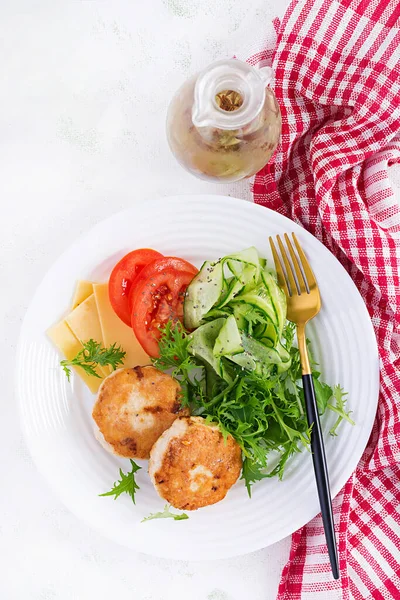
321, 472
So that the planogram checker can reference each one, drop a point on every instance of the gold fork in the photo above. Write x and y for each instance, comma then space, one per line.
304, 302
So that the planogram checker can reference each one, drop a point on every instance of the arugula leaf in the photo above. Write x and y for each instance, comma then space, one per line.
289, 333
166, 514
323, 393
174, 354
67, 371
254, 317
93, 354
339, 396
126, 485
251, 473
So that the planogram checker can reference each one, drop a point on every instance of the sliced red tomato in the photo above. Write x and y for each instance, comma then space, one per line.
122, 276
157, 298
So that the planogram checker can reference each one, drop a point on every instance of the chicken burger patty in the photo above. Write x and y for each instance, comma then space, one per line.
191, 465
133, 408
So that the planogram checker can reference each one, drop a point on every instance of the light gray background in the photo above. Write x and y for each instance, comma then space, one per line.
84, 88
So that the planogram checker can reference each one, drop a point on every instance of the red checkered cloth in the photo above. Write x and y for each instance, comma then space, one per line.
337, 79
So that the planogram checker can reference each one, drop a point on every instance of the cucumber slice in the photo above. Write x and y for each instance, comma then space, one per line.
246, 319
216, 313
229, 340
265, 356
244, 360
239, 312
228, 371
202, 342
237, 261
245, 278
245, 269
203, 292
285, 357
262, 355
227, 282
267, 341
269, 336
211, 379
270, 333
264, 330
258, 357
278, 298
260, 298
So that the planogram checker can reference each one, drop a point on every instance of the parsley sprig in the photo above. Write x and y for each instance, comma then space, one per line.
93, 354
127, 484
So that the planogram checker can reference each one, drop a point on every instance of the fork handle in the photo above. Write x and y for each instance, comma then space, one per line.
321, 471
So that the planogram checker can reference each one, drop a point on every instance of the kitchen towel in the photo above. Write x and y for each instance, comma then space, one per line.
337, 80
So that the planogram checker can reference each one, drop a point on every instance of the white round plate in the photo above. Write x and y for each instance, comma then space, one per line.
56, 415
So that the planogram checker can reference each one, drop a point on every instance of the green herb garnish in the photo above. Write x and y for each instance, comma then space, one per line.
93, 354
339, 396
166, 514
174, 355
127, 484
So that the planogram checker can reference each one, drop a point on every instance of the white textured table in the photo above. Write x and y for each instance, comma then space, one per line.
84, 89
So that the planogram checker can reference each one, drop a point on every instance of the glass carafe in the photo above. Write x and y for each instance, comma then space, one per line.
224, 123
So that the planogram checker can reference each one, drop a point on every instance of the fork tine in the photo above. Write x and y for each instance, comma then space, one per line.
288, 267
295, 261
311, 281
279, 271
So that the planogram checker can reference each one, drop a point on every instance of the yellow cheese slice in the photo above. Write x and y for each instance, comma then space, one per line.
82, 291
65, 341
85, 325
115, 331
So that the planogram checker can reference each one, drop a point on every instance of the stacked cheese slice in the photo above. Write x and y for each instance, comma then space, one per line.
92, 317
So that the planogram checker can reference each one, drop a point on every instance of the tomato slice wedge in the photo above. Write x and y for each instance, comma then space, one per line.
122, 276
157, 298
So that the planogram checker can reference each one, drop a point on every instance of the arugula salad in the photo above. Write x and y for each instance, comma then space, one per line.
238, 366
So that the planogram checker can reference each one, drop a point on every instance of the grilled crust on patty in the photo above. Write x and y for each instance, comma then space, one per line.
191, 465
134, 407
